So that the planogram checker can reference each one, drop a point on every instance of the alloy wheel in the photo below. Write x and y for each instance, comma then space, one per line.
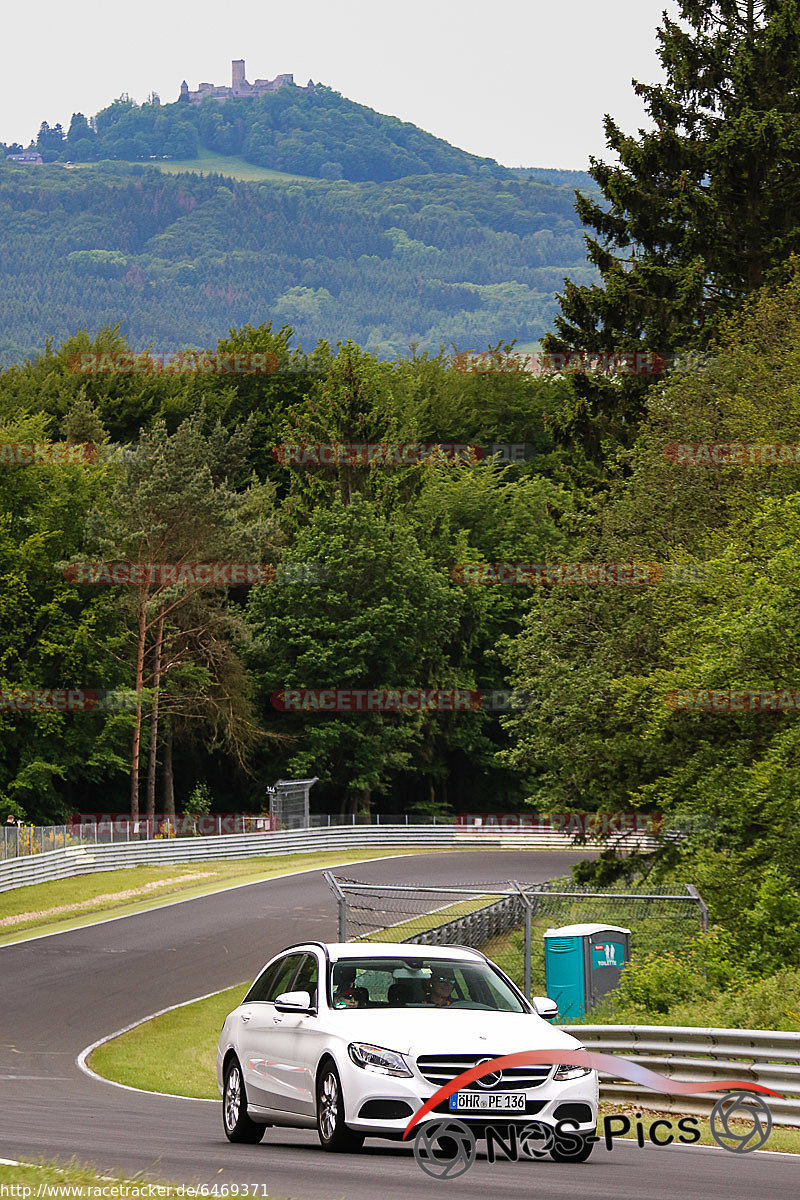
233, 1097
329, 1106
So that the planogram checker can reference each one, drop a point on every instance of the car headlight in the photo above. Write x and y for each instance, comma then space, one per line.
378, 1059
565, 1072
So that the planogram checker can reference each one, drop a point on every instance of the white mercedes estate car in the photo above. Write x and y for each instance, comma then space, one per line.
353, 1038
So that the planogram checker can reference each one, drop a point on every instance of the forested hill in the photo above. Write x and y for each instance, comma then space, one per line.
319, 133
431, 259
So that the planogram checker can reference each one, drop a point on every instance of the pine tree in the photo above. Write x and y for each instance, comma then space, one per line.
697, 213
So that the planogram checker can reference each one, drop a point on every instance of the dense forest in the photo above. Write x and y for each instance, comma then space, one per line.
430, 260
369, 588
386, 540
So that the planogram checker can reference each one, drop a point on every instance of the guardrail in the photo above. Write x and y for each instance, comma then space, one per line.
83, 860
101, 829
19, 840
771, 1058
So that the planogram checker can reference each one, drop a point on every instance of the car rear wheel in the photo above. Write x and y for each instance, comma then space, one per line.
333, 1133
238, 1126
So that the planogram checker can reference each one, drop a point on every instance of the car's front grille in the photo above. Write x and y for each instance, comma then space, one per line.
440, 1069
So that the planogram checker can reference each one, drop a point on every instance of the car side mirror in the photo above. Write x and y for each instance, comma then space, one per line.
294, 1002
546, 1008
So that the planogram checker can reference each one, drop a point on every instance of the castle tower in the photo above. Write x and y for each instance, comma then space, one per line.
239, 85
184, 91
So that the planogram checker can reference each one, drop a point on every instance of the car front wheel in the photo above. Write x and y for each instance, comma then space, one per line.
572, 1153
333, 1133
238, 1126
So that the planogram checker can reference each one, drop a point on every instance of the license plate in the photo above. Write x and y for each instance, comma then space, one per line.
487, 1102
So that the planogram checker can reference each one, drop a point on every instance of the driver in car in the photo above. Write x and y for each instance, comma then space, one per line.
440, 989
346, 994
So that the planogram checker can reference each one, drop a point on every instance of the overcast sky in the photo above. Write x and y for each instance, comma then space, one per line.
523, 81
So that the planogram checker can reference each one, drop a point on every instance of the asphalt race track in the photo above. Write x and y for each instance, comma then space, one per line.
60, 993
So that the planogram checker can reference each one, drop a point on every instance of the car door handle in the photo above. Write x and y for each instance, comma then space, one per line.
246, 1016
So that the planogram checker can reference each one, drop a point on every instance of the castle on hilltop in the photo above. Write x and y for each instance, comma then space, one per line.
239, 86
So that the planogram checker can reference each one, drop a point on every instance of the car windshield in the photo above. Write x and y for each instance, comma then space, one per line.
419, 982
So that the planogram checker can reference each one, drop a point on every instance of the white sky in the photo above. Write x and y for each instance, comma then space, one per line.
523, 81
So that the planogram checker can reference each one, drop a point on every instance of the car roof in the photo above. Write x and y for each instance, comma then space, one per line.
341, 950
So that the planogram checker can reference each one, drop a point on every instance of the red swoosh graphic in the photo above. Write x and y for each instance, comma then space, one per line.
610, 1064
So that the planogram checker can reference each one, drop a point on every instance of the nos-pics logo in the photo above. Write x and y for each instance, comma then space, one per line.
446, 1148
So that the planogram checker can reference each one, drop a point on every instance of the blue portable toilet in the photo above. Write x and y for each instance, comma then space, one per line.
582, 963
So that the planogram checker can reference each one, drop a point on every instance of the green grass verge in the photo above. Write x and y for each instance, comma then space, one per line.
99, 894
172, 1053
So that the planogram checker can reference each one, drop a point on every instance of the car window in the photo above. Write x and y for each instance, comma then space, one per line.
418, 981
260, 989
284, 979
276, 979
307, 977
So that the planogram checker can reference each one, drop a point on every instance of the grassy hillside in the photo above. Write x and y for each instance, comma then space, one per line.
208, 163
230, 165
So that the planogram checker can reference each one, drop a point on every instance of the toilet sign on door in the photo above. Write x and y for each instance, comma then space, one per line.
608, 954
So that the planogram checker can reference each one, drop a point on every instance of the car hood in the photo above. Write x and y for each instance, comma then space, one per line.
445, 1031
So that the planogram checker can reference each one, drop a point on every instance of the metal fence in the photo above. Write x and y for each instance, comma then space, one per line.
19, 840
84, 859
771, 1058
509, 927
